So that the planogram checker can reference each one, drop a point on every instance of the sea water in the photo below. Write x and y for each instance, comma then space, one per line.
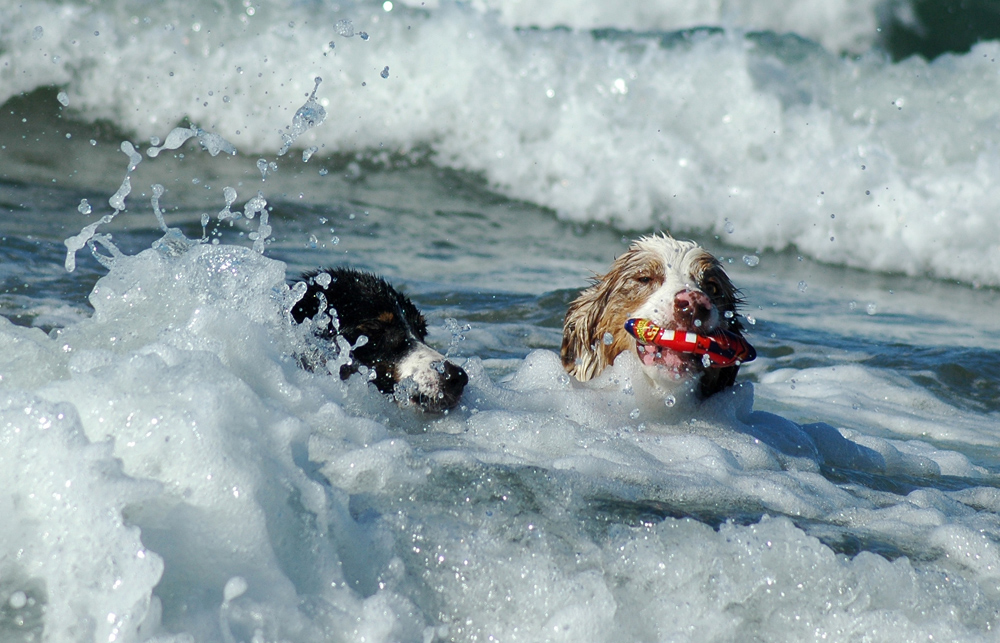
170, 473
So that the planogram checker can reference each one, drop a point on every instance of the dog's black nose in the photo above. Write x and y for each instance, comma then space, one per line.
453, 378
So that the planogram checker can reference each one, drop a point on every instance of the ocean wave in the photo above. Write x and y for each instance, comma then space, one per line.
766, 141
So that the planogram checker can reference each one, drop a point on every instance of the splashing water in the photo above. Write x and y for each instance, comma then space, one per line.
307, 117
457, 332
253, 206
117, 202
229, 194
173, 243
212, 143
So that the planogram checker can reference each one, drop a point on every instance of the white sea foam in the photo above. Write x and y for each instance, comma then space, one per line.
172, 472
765, 140
179, 409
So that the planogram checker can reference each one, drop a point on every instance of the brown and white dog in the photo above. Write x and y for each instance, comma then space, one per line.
677, 285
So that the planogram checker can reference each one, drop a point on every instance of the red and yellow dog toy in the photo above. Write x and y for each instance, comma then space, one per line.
722, 347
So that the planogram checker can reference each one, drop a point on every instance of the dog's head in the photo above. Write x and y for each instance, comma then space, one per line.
363, 304
675, 284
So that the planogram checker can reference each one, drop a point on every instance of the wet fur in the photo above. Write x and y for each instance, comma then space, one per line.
600, 311
366, 304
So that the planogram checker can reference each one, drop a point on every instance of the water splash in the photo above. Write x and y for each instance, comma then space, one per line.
307, 117
258, 204
457, 332
210, 142
117, 203
229, 194
173, 243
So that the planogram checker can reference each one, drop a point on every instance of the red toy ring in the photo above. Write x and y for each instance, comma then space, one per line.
722, 347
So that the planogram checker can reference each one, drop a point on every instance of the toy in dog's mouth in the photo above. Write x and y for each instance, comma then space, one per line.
719, 349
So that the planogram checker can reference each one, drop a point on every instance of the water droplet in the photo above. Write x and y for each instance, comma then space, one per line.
84, 207
608, 339
634, 414
18, 599
803, 286
344, 27
751, 260
729, 226
235, 587
363, 34
872, 308
670, 401
385, 72
63, 99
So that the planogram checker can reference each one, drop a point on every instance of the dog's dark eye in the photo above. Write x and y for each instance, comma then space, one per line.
712, 288
643, 279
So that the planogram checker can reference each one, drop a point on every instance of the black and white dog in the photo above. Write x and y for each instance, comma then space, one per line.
360, 303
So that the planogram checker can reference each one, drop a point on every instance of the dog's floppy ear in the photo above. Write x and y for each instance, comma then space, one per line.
726, 298
581, 355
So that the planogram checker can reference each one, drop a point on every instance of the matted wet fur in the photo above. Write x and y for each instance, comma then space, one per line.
365, 304
676, 284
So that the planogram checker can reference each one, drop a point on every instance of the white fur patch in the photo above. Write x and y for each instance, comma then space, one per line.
422, 366
679, 259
